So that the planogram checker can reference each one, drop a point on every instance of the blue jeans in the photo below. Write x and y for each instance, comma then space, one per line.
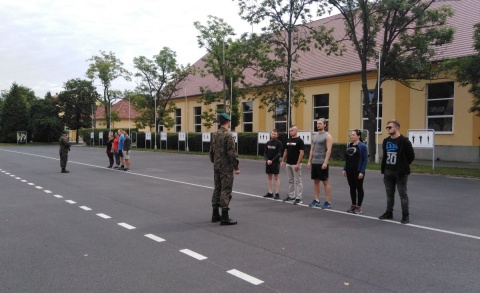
391, 179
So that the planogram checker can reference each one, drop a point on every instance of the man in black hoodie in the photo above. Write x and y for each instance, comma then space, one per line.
397, 156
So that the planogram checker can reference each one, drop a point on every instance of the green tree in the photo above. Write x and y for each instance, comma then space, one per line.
227, 59
408, 30
45, 121
468, 72
76, 103
288, 31
14, 114
160, 78
107, 68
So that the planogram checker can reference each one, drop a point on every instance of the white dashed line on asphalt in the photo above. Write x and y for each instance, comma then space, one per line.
58, 196
18, 178
38, 187
245, 277
154, 237
70, 201
12, 175
193, 254
85, 208
104, 216
127, 226
47, 191
31, 183
24, 181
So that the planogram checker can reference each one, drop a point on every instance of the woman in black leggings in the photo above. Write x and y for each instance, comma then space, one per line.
354, 169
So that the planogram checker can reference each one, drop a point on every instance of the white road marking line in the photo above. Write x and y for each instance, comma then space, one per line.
70, 201
47, 191
252, 195
154, 237
18, 178
31, 183
13, 175
245, 277
24, 180
7, 173
193, 254
85, 208
38, 187
104, 216
57, 195
127, 226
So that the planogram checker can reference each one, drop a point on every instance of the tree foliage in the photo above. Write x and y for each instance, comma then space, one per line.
107, 68
468, 72
160, 78
227, 60
76, 103
14, 114
288, 32
45, 121
406, 32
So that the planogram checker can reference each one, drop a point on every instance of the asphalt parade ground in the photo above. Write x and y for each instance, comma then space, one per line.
149, 230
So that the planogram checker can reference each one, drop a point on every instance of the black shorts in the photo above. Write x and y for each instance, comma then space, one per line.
318, 173
274, 168
120, 153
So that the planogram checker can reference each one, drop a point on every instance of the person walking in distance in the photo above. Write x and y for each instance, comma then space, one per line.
127, 144
272, 155
121, 138
63, 151
354, 169
223, 155
115, 151
398, 154
109, 150
293, 156
318, 163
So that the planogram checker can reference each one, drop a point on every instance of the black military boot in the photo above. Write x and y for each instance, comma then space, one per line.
65, 170
216, 215
226, 219
405, 218
386, 216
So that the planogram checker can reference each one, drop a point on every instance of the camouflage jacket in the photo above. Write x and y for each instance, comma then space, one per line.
222, 151
64, 144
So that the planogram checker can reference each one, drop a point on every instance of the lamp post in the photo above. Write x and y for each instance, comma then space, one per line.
186, 119
377, 156
155, 133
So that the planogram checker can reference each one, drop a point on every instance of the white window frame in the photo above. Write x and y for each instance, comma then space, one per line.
178, 127
243, 116
277, 122
314, 120
440, 116
380, 118
195, 116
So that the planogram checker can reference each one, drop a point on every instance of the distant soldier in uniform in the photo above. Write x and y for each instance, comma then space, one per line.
224, 158
64, 149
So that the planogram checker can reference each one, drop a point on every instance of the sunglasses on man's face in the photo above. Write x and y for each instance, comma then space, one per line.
389, 127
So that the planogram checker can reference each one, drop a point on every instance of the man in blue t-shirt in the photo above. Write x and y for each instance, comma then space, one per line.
120, 148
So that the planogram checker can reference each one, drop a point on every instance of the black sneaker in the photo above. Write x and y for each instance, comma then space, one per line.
126, 169
386, 216
109, 166
287, 199
277, 196
297, 201
405, 219
268, 195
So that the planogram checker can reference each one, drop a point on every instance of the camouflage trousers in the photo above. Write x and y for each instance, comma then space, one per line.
63, 160
222, 194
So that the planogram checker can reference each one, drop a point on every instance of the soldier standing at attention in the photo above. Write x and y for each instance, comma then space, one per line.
64, 149
224, 158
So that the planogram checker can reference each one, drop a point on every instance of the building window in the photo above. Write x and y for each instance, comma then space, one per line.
440, 106
281, 112
373, 107
247, 117
320, 108
219, 110
178, 120
197, 119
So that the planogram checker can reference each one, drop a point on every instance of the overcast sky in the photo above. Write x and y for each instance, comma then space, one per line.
44, 43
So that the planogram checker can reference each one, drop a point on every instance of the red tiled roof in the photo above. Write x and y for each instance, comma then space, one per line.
315, 64
121, 107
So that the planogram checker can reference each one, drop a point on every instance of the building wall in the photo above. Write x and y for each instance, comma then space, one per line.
407, 105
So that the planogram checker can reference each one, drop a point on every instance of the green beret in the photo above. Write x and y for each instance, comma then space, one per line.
65, 131
225, 116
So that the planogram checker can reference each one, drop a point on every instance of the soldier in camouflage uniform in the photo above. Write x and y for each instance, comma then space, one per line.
64, 149
224, 158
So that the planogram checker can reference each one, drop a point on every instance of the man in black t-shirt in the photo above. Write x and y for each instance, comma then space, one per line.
293, 156
398, 154
273, 153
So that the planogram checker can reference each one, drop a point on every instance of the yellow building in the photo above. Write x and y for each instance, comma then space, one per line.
332, 89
